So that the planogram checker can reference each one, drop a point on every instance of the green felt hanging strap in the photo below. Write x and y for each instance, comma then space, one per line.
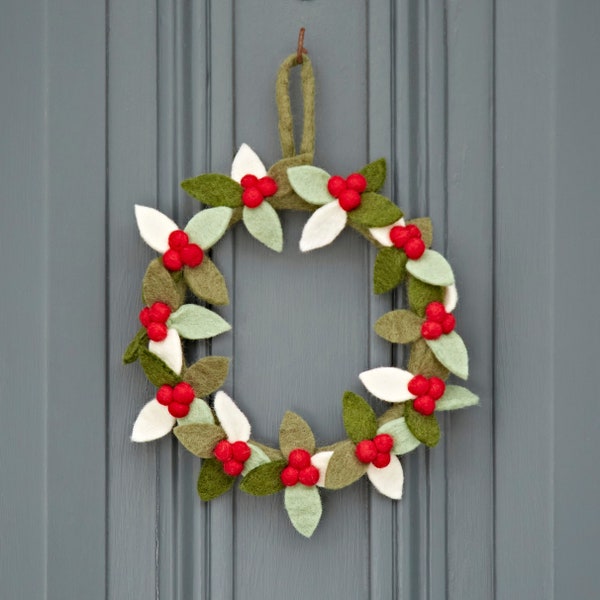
284, 107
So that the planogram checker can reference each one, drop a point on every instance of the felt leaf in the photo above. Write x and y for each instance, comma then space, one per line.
272, 453
131, 353
154, 421
200, 438
263, 224
286, 197
425, 428
399, 326
155, 228
169, 350
404, 440
303, 505
197, 323
431, 268
396, 411
388, 383
247, 162
157, 372
320, 460
323, 226
360, 420
257, 458
207, 375
374, 211
158, 286
420, 294
426, 229
199, 413
423, 361
374, 173
344, 468
450, 298
390, 266
451, 351
389, 480
208, 226
232, 419
206, 282
212, 480
294, 432
382, 234
310, 183
264, 479
455, 397
214, 189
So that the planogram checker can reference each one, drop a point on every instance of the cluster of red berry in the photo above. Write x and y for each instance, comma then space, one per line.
181, 252
376, 451
232, 456
154, 318
177, 399
347, 191
299, 469
427, 392
437, 321
256, 190
408, 238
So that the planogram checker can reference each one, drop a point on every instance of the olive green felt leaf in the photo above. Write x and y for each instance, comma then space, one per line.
420, 294
399, 326
206, 282
257, 458
374, 211
455, 397
197, 323
450, 350
208, 226
404, 440
374, 173
295, 432
207, 375
431, 268
343, 468
263, 224
303, 505
264, 480
426, 228
159, 286
199, 413
423, 361
395, 412
131, 353
214, 189
286, 197
310, 183
424, 428
360, 420
390, 267
157, 372
212, 480
200, 438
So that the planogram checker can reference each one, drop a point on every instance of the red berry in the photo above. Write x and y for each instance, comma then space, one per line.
431, 331
178, 410
309, 476
356, 182
165, 395
399, 236
435, 312
414, 248
145, 319
336, 185
413, 231
437, 388
178, 240
267, 186
249, 181
382, 460
349, 200
289, 476
223, 451
160, 312
383, 442
252, 197
241, 451
157, 332
418, 385
449, 323
366, 451
172, 260
299, 459
233, 467
192, 255
183, 393
424, 405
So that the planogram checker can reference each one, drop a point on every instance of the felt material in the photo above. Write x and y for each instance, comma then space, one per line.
310, 183
208, 226
382, 234
154, 421
257, 458
199, 438
285, 197
155, 228
324, 225
157, 372
399, 326
263, 224
169, 350
294, 432
265, 479
303, 505
207, 283
425, 227
374, 173
421, 294
214, 189
431, 268
272, 453
159, 286
212, 480
455, 397
232, 419
425, 428
247, 162
388, 383
375, 211
207, 374
450, 298
199, 413
343, 468
395, 412
360, 420
320, 460
423, 361
450, 351
131, 353
197, 323
389, 270
404, 440
388, 480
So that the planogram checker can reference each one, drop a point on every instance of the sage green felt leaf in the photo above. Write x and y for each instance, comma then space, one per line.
214, 189
303, 505
310, 183
450, 350
286, 197
199, 413
399, 326
374, 173
157, 372
272, 453
158, 286
426, 228
206, 282
200, 438
404, 440
264, 480
420, 294
423, 361
257, 458
208, 226
294, 432
207, 375
131, 353
431, 268
390, 267
212, 480
343, 468
455, 397
263, 224
360, 420
424, 428
374, 211
197, 323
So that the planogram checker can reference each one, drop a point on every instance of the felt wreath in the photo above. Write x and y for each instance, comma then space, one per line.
183, 282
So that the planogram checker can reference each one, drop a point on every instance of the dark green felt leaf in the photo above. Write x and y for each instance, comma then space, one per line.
360, 420
399, 326
264, 480
422, 361
212, 480
207, 283
214, 189
343, 468
374, 211
425, 429
390, 267
158, 286
157, 372
207, 375
374, 173
420, 294
426, 228
200, 438
295, 432
131, 353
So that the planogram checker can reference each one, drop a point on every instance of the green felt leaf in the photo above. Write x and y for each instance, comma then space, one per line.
456, 397
207, 375
158, 286
424, 428
131, 353
374, 211
295, 432
390, 267
264, 480
404, 440
423, 361
310, 183
426, 228
208, 226
303, 505
263, 224
374, 173
343, 468
360, 420
197, 323
157, 372
286, 197
420, 294
200, 438
199, 413
214, 189
272, 453
450, 350
431, 268
257, 458
399, 326
206, 282
212, 480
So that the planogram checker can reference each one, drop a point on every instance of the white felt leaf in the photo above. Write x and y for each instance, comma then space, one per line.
404, 440
303, 505
450, 298
390, 480
231, 418
455, 397
324, 225
169, 350
153, 422
199, 413
431, 268
208, 226
263, 224
321, 461
451, 351
246, 162
388, 383
382, 234
257, 458
197, 323
155, 228
310, 183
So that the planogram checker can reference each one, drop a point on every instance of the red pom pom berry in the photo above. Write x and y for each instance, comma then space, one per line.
192, 255
435, 311
424, 405
383, 442
399, 236
241, 451
289, 476
309, 476
171, 260
413, 231
178, 410
299, 459
418, 385
267, 186
382, 460
336, 185
178, 240
349, 200
183, 393
160, 312
437, 388
145, 319
356, 182
157, 332
366, 451
164, 395
249, 181
233, 467
223, 451
431, 330
414, 248
449, 323
252, 197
